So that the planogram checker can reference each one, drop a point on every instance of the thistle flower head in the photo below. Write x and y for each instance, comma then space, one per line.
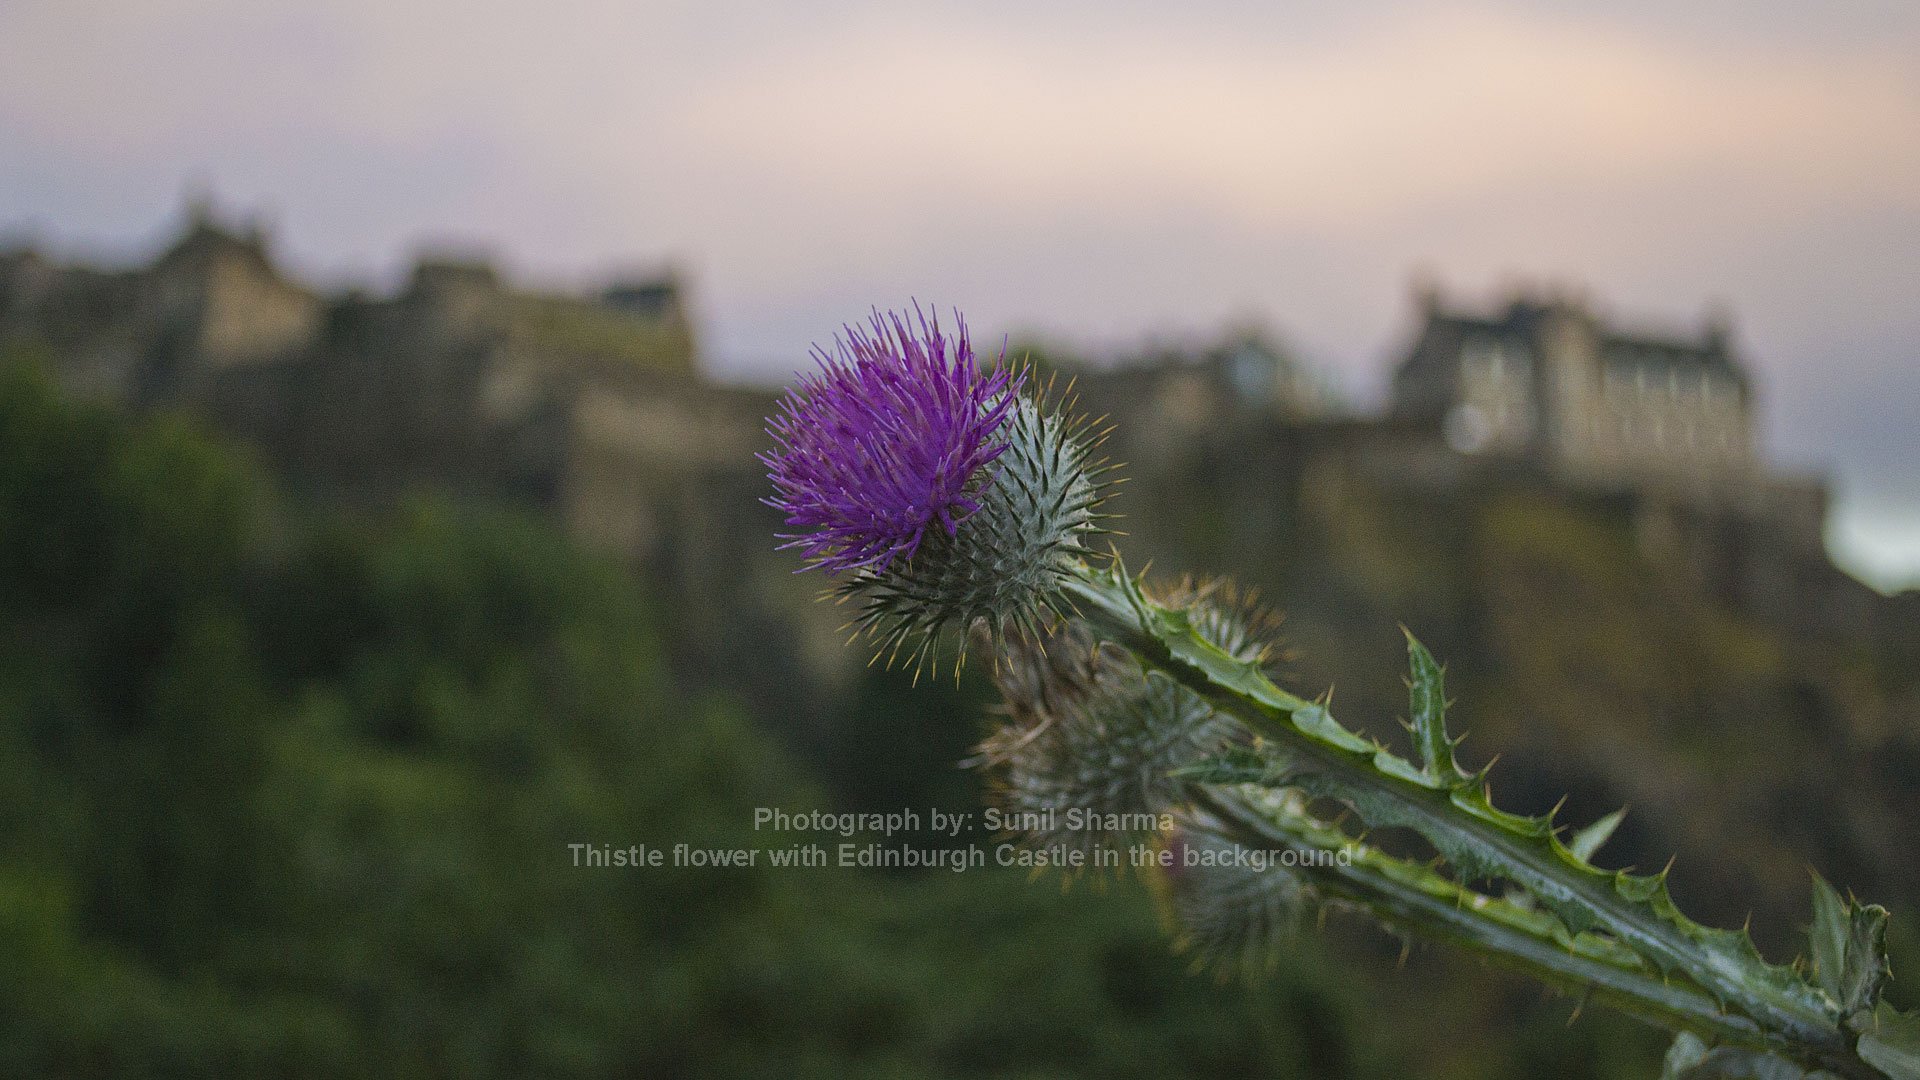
1232, 618
949, 495
1088, 761
892, 437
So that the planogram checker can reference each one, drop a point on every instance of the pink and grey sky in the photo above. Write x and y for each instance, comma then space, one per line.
1090, 171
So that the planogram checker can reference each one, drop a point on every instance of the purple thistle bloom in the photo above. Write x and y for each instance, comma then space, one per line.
889, 437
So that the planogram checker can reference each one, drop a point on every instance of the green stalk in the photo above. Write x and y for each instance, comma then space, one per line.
1305, 747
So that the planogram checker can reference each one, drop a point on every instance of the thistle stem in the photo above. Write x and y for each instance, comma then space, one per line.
1416, 900
1792, 1018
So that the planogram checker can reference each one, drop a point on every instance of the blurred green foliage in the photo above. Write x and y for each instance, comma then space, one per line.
292, 796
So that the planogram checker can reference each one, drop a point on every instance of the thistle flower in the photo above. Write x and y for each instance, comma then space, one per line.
948, 495
892, 436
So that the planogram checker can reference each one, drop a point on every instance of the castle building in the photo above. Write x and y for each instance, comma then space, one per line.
587, 406
218, 300
1549, 380
1660, 423
590, 408
212, 302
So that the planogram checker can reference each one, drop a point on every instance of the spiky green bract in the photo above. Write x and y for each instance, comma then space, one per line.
1301, 745
1092, 739
1003, 567
1231, 618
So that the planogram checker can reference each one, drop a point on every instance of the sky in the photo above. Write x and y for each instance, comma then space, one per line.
1095, 172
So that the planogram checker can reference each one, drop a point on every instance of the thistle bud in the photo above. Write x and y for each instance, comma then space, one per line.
1093, 738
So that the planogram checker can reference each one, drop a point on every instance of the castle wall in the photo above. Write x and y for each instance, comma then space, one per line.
1547, 380
1497, 397
246, 316
1569, 360
1664, 421
628, 444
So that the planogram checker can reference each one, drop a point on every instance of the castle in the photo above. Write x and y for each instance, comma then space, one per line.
1548, 378
1547, 381
591, 408
463, 380
458, 382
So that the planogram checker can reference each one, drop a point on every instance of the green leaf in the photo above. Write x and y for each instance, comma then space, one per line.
1317, 723
1427, 714
1890, 1042
1589, 840
1849, 947
1829, 935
